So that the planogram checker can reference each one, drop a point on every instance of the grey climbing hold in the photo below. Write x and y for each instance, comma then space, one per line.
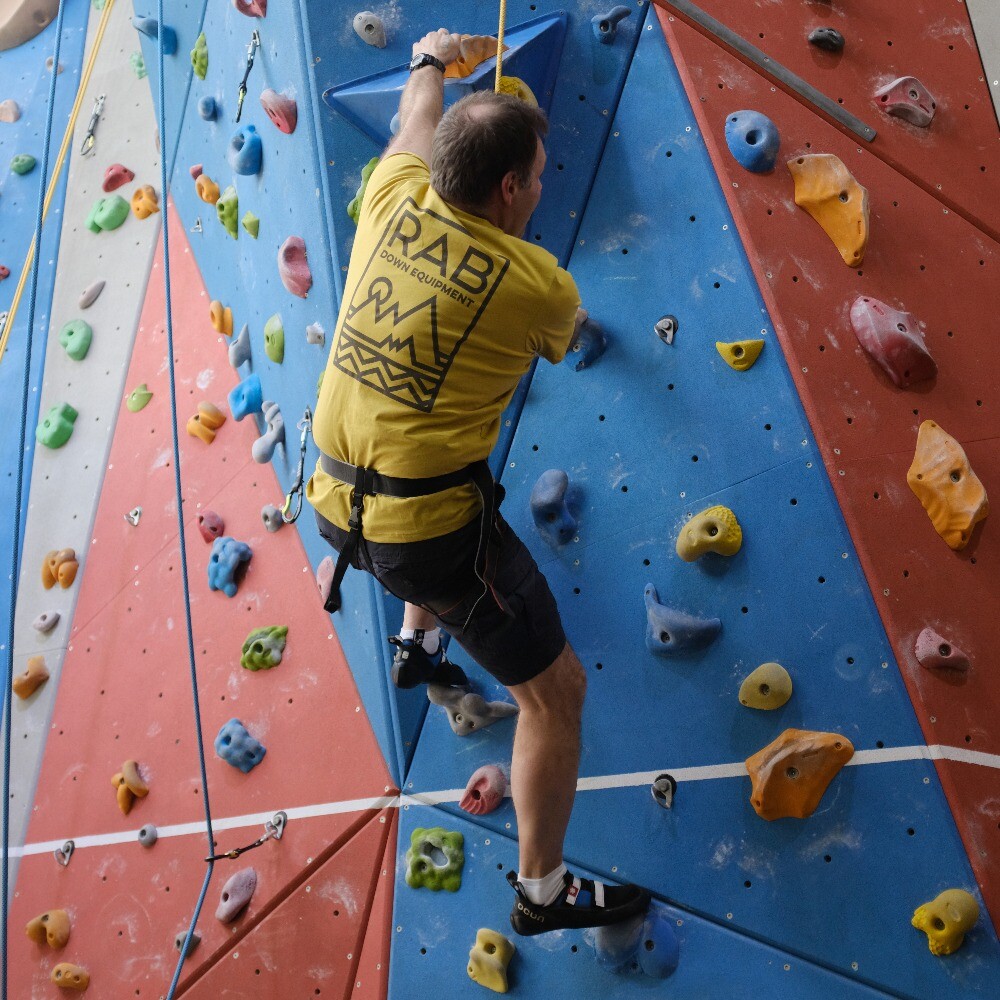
46, 621
263, 447
664, 788
605, 26
587, 346
133, 516
468, 712
236, 894
90, 294
673, 633
369, 28
665, 328
315, 334
239, 349
192, 943
148, 835
828, 39
550, 501
272, 518
64, 853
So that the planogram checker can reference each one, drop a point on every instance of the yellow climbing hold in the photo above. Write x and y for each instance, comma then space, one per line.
741, 354
946, 919
473, 50
489, 958
768, 687
516, 86
825, 188
713, 530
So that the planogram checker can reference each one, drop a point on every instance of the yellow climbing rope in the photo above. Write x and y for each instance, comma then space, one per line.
503, 18
56, 170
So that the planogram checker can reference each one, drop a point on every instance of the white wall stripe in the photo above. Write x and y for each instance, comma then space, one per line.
888, 755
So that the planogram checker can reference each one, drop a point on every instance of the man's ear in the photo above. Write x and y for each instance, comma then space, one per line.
509, 187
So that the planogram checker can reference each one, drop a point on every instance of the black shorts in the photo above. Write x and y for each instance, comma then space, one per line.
439, 575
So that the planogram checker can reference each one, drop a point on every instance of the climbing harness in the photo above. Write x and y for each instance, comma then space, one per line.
293, 498
503, 19
273, 829
88, 140
251, 50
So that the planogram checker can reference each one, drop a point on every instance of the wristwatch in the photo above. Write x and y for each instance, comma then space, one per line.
422, 59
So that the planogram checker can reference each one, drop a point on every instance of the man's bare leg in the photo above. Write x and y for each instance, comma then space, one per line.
546, 761
416, 617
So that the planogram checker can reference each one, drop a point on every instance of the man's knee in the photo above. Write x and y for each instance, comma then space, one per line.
559, 689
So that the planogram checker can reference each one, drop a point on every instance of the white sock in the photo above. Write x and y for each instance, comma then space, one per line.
545, 891
432, 638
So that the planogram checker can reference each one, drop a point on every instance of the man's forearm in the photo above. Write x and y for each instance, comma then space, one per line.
422, 102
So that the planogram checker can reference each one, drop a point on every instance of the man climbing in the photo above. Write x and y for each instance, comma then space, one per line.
444, 309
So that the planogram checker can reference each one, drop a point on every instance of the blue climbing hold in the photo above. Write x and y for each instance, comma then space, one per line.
394, 124
245, 151
208, 109
150, 27
550, 510
753, 139
228, 555
590, 343
237, 747
616, 944
672, 633
658, 950
605, 26
246, 397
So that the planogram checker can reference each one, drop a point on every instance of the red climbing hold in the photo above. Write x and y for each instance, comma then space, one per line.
893, 339
252, 8
4, 272
210, 525
909, 99
932, 650
115, 176
282, 110
293, 266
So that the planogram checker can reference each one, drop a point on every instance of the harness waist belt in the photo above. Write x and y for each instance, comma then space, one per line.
375, 484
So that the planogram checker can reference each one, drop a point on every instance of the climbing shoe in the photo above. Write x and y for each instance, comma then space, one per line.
413, 665
583, 904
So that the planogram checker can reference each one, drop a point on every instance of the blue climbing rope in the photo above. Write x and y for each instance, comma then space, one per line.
164, 189
15, 550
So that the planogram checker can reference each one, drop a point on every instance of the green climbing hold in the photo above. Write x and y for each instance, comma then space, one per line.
97, 4
138, 65
199, 57
319, 381
107, 214
22, 164
435, 859
137, 399
251, 224
227, 208
274, 339
76, 336
354, 208
263, 647
56, 427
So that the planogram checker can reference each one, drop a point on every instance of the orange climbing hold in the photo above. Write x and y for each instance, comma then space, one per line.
473, 50
34, 676
51, 928
70, 977
144, 202
945, 484
206, 422
825, 188
790, 775
207, 189
59, 567
221, 317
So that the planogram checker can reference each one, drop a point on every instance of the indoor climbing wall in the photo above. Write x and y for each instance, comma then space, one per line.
732, 383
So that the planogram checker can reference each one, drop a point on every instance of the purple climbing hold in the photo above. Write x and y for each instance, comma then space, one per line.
893, 339
587, 346
933, 650
246, 397
237, 747
550, 502
828, 39
909, 99
605, 26
673, 633
236, 894
227, 558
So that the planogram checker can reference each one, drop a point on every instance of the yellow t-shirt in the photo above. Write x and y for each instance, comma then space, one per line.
442, 315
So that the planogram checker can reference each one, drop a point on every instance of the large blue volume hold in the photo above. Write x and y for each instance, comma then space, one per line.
237, 747
753, 139
246, 397
245, 151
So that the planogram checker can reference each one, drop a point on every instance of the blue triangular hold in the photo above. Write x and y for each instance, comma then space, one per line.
533, 52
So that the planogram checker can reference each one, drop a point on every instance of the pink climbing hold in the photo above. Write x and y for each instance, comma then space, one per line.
195, 171
4, 272
893, 339
252, 8
115, 176
324, 577
211, 525
909, 99
293, 266
282, 110
9, 111
485, 790
236, 895
933, 650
